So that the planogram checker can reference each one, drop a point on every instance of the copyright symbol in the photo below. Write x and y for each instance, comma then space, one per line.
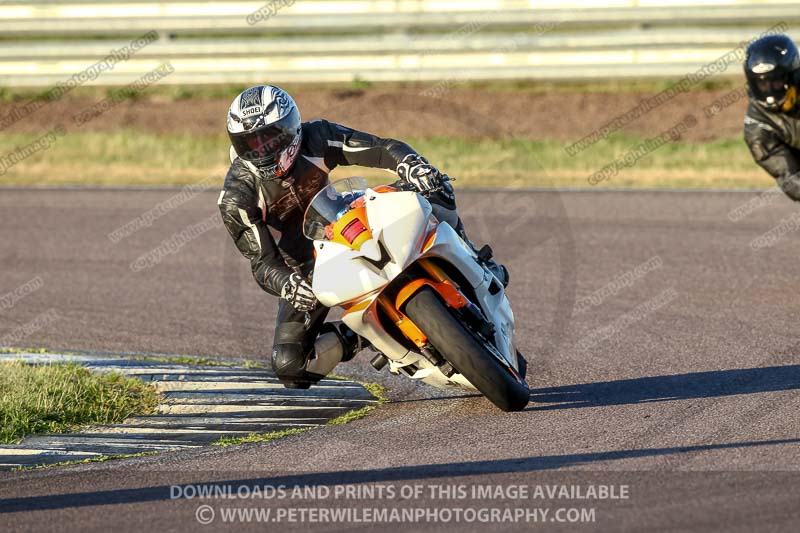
204, 514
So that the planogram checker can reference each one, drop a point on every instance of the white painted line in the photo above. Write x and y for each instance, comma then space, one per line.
214, 386
191, 409
41, 451
167, 432
167, 386
176, 421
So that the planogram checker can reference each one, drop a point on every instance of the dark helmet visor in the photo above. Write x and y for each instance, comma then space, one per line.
771, 89
262, 145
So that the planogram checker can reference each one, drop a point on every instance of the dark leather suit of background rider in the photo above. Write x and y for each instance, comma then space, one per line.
772, 123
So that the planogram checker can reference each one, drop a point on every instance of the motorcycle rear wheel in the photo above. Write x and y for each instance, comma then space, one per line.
465, 351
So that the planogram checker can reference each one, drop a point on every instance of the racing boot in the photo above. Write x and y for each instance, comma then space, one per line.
485, 257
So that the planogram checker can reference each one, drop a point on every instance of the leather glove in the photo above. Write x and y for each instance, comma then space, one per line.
416, 170
297, 291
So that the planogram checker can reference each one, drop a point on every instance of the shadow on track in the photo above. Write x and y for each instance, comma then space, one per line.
665, 388
437, 471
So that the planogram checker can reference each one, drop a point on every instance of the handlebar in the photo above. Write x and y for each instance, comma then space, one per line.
405, 186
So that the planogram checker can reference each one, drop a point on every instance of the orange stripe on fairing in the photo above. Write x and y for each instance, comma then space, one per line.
357, 307
347, 305
430, 238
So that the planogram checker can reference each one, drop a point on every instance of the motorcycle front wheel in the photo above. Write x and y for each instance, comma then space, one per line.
466, 352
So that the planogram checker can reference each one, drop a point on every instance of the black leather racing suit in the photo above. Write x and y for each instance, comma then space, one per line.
774, 141
252, 207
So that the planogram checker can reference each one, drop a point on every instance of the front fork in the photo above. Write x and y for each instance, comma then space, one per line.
452, 296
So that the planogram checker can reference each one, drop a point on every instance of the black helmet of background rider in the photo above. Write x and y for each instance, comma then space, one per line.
772, 68
264, 129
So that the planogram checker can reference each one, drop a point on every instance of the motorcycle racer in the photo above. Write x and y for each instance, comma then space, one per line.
278, 164
772, 123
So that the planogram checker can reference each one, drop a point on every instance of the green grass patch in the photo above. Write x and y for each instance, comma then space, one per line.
129, 157
100, 459
183, 360
57, 398
190, 360
259, 437
376, 390
24, 350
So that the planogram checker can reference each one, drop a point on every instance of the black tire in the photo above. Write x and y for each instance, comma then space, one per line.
465, 352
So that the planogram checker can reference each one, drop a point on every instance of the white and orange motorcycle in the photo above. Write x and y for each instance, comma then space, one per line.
412, 287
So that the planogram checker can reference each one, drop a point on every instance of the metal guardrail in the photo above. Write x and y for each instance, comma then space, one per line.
696, 38
459, 40
307, 16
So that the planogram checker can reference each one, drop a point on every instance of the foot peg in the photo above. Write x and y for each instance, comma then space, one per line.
485, 254
504, 275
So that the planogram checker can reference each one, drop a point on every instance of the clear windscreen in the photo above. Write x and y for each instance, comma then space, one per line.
330, 204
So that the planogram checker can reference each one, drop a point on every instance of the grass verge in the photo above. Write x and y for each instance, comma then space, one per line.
57, 398
116, 158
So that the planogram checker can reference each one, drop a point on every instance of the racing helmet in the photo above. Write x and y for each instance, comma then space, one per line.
264, 129
772, 68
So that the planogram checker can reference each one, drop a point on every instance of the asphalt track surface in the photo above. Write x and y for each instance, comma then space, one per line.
681, 385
